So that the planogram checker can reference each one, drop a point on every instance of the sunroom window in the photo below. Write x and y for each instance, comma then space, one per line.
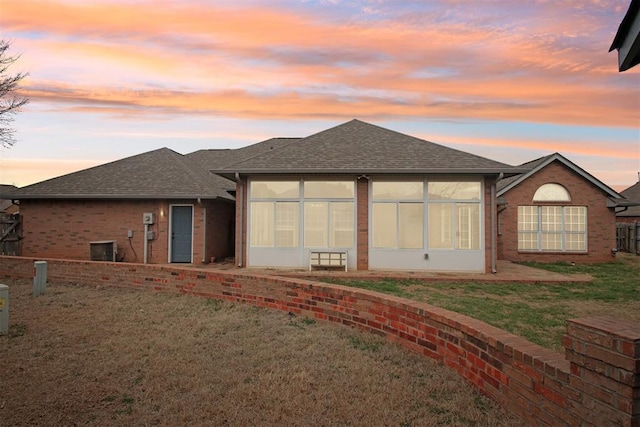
323, 209
329, 214
398, 215
275, 210
454, 215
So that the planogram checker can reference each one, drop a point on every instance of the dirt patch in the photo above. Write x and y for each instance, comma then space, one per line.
102, 356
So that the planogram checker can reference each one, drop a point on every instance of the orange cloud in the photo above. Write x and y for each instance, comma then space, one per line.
290, 104
269, 62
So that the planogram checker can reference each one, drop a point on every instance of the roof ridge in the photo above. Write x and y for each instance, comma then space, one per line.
360, 146
293, 140
195, 170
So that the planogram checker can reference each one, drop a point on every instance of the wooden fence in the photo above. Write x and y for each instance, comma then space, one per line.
10, 234
628, 237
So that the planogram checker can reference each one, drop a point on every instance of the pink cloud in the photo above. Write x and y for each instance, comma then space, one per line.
250, 62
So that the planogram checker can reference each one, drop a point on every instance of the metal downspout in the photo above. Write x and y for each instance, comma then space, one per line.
239, 196
494, 222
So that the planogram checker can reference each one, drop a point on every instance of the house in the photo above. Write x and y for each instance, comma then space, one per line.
556, 211
377, 198
156, 207
384, 199
6, 204
187, 214
630, 214
627, 39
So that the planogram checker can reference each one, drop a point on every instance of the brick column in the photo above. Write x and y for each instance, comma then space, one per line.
241, 223
604, 357
362, 226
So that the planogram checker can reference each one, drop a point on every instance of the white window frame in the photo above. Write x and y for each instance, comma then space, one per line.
331, 227
277, 225
397, 202
464, 237
535, 227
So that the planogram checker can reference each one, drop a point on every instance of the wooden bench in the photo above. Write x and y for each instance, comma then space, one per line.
328, 259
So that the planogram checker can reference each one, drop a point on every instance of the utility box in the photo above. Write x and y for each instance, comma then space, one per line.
148, 218
40, 278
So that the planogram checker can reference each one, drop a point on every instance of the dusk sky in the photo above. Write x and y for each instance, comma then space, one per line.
508, 80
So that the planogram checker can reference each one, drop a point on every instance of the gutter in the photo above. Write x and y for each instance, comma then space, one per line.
229, 173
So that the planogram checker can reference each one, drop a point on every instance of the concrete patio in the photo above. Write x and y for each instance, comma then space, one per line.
508, 272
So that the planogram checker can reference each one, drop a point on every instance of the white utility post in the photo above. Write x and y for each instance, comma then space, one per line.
40, 280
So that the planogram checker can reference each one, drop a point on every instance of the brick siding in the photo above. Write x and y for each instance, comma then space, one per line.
64, 228
601, 230
487, 225
220, 231
596, 383
362, 223
241, 238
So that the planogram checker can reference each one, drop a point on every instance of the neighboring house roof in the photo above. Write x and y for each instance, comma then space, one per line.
627, 39
5, 199
633, 194
161, 173
504, 185
359, 147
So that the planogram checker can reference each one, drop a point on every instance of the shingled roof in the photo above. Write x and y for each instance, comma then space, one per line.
5, 200
359, 147
352, 147
632, 194
158, 174
536, 165
211, 159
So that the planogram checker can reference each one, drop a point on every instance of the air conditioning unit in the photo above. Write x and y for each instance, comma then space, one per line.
104, 250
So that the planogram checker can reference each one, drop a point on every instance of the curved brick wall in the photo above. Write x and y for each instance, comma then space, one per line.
597, 383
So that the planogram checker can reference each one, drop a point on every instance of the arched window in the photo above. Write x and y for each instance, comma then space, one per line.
551, 193
553, 227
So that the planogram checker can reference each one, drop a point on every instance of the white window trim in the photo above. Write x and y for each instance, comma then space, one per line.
301, 215
563, 232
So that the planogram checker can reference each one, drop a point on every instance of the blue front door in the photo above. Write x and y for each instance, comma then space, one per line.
181, 233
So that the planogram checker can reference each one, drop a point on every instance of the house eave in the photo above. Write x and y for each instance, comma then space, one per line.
577, 169
627, 39
115, 197
625, 203
448, 171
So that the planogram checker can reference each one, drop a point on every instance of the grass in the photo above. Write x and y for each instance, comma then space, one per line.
104, 356
537, 312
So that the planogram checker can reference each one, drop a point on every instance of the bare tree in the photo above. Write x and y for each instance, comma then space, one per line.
10, 103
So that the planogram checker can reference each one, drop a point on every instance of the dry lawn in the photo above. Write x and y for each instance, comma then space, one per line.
102, 356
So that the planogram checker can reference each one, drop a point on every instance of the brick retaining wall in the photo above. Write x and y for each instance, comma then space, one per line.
598, 383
